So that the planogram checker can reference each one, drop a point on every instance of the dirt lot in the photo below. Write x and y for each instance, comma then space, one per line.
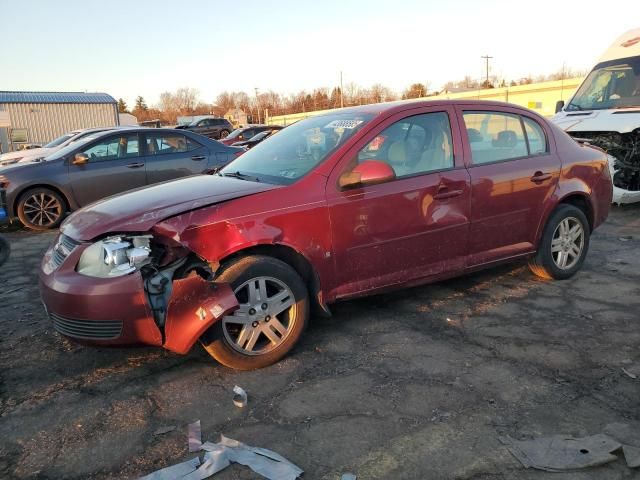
411, 385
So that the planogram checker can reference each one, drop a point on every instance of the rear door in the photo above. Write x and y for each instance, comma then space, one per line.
172, 155
115, 165
514, 171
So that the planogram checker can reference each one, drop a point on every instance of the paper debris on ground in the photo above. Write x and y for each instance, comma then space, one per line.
195, 436
239, 397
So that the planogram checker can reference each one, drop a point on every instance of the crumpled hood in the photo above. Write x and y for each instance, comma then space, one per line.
621, 121
139, 210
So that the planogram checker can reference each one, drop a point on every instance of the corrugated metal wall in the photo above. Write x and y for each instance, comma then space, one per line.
46, 121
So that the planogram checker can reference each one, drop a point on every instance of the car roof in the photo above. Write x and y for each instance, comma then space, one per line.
402, 105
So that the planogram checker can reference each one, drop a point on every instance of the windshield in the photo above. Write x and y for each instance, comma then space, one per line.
612, 84
260, 135
60, 140
71, 147
294, 151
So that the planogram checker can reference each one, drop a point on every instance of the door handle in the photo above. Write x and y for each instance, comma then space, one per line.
540, 177
444, 193
197, 157
135, 165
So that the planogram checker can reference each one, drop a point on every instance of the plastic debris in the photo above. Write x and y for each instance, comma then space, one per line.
629, 374
195, 436
559, 453
219, 456
163, 430
239, 397
175, 471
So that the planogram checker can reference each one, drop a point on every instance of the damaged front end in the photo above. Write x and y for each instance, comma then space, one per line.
623, 150
175, 287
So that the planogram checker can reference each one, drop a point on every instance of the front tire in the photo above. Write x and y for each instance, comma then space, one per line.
564, 244
273, 314
41, 209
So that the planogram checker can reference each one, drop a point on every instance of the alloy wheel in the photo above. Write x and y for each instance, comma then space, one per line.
42, 209
567, 243
264, 319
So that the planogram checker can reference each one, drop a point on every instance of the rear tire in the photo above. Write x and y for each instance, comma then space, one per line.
273, 314
41, 209
224, 133
564, 244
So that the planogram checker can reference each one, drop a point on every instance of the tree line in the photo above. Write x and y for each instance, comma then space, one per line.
187, 102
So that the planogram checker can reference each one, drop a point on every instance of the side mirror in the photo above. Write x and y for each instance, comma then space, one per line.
559, 105
369, 172
80, 159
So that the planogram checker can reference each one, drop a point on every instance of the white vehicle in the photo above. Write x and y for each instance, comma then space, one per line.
605, 112
37, 154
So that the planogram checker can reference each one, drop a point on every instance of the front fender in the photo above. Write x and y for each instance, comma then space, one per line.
194, 306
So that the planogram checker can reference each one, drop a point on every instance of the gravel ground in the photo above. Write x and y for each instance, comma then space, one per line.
416, 384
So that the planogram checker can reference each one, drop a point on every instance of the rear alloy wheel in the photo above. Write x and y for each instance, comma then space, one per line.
564, 244
273, 312
224, 133
41, 209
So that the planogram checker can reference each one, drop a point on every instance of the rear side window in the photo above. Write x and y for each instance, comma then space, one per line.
494, 136
159, 144
535, 136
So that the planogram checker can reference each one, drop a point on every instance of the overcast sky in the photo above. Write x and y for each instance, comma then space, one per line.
144, 47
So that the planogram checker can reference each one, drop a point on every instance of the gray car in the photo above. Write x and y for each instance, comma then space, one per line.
97, 166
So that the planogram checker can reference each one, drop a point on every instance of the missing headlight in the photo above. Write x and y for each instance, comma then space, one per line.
115, 256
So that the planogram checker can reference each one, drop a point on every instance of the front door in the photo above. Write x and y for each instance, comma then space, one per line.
115, 165
514, 171
408, 228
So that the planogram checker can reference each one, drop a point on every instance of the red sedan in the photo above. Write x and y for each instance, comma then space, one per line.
341, 205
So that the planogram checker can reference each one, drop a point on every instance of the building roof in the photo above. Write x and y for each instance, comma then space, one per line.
55, 97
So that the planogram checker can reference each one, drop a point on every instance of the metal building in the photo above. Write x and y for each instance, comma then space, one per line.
36, 118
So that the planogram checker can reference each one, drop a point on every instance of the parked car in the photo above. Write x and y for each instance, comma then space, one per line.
341, 205
36, 154
245, 133
212, 127
255, 140
103, 164
605, 111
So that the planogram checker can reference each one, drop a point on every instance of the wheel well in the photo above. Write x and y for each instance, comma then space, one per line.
583, 204
295, 260
33, 187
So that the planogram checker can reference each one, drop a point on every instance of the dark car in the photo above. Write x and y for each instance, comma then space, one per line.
212, 127
250, 131
337, 206
255, 140
104, 164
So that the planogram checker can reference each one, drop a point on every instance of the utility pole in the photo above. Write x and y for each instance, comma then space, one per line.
341, 95
257, 104
486, 57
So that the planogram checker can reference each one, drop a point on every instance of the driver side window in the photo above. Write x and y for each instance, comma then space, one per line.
413, 146
113, 148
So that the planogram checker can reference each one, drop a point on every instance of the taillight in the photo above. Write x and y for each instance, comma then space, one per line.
4, 182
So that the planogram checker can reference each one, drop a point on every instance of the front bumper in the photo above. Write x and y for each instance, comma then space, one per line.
620, 195
116, 311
